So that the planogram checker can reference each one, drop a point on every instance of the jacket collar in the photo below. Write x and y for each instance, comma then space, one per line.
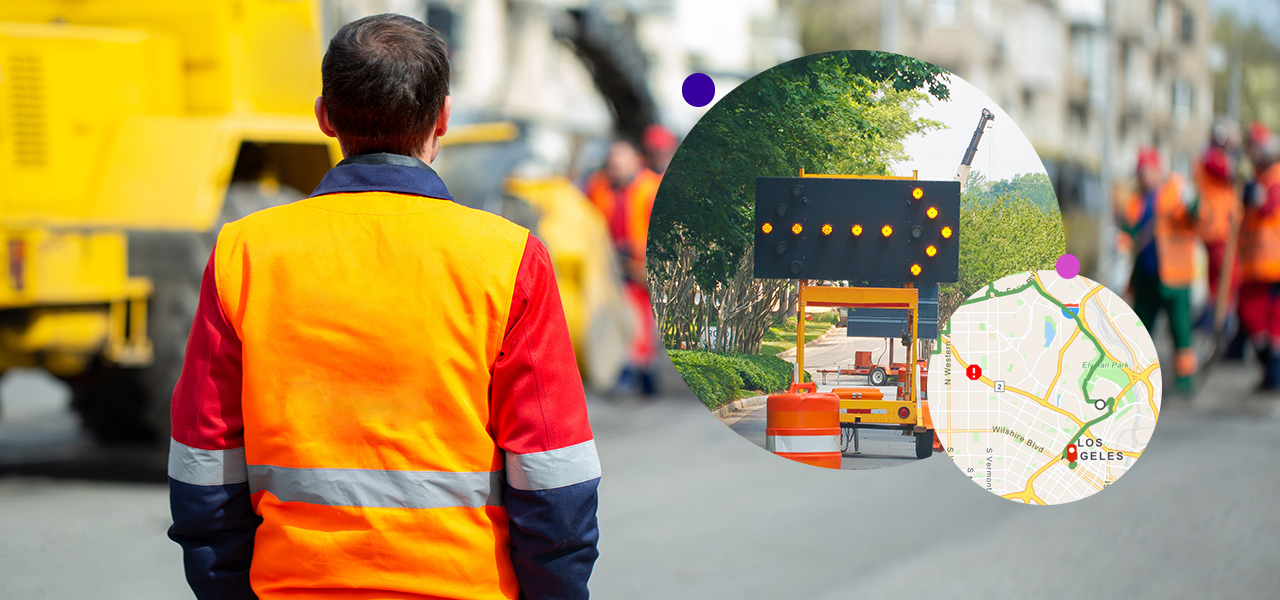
383, 172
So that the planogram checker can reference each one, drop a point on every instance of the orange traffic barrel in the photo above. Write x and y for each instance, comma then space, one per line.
902, 383
804, 428
858, 393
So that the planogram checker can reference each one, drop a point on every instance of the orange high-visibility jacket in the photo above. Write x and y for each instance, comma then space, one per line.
639, 195
1260, 232
1174, 231
379, 399
1220, 206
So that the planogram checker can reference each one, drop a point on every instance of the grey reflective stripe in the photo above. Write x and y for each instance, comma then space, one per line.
206, 467
554, 468
377, 488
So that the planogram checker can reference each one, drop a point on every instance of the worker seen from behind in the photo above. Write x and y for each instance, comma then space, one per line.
1219, 215
1161, 220
379, 398
624, 191
1260, 255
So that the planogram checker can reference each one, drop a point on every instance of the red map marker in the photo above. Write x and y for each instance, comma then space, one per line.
1071, 453
974, 372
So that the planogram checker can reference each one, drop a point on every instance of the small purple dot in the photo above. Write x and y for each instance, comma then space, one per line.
1068, 266
698, 89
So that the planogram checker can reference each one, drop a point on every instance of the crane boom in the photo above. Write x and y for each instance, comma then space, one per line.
962, 173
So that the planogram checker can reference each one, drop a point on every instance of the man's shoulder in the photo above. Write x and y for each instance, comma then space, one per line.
275, 220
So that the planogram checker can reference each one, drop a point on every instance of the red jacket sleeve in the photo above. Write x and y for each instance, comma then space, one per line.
539, 416
213, 518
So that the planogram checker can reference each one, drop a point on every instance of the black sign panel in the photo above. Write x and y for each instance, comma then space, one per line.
870, 232
892, 322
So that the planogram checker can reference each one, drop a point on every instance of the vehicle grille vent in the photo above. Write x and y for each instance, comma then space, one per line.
27, 105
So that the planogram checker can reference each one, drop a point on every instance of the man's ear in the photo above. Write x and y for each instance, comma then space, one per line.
322, 118
442, 120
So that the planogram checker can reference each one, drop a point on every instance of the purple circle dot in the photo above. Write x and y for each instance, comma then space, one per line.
698, 89
1068, 266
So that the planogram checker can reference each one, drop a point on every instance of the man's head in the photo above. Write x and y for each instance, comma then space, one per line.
386, 87
623, 163
1150, 173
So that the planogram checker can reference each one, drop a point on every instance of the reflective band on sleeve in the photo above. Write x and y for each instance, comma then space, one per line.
372, 488
802, 443
206, 467
553, 468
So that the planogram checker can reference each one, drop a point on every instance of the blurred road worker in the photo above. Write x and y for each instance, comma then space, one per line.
379, 398
624, 191
1220, 212
1260, 255
659, 147
1161, 220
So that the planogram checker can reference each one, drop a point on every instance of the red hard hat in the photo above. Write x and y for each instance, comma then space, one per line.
1148, 156
659, 139
1258, 133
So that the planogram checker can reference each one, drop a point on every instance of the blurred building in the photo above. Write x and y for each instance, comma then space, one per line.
1069, 72
540, 61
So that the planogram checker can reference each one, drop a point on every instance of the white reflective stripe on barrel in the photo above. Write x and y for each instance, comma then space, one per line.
802, 443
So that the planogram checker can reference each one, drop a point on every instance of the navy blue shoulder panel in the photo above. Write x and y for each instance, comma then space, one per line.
553, 539
215, 525
383, 172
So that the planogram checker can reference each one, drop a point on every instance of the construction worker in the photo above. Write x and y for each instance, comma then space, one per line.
624, 191
379, 398
1260, 255
1161, 220
1220, 211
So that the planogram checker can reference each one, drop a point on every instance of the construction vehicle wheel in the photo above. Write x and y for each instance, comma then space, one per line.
877, 377
175, 262
112, 405
924, 444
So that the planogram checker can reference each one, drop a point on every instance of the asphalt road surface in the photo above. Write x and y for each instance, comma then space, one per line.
689, 509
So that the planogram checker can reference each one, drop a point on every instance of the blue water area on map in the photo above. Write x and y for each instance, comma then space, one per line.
1074, 310
1049, 331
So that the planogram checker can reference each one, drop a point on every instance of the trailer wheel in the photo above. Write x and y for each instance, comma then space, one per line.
924, 444
877, 377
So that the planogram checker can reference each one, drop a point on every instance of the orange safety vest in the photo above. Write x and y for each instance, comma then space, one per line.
1260, 235
639, 196
342, 485
1175, 234
1219, 207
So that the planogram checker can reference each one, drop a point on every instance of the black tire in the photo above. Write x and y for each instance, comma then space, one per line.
112, 404
877, 377
924, 444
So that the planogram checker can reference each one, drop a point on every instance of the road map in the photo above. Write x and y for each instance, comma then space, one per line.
1044, 390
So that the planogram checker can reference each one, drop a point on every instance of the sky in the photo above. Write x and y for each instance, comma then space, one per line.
1003, 152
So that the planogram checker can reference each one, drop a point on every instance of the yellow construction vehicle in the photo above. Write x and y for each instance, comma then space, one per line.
129, 131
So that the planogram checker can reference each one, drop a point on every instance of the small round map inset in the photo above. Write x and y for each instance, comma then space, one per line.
1044, 390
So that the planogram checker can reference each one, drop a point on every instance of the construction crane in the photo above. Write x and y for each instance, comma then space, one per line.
966, 163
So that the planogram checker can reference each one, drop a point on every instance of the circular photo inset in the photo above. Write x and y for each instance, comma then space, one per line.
1046, 389
812, 231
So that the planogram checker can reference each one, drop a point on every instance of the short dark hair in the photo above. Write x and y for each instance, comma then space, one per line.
385, 78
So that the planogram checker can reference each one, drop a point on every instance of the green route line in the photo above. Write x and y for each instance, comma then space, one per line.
1111, 408
1033, 282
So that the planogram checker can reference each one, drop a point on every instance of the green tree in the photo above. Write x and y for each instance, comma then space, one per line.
1001, 236
845, 112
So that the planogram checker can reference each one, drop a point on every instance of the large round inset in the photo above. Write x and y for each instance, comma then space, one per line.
798, 208
1048, 388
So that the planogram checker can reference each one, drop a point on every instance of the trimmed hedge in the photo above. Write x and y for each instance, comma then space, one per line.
718, 379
